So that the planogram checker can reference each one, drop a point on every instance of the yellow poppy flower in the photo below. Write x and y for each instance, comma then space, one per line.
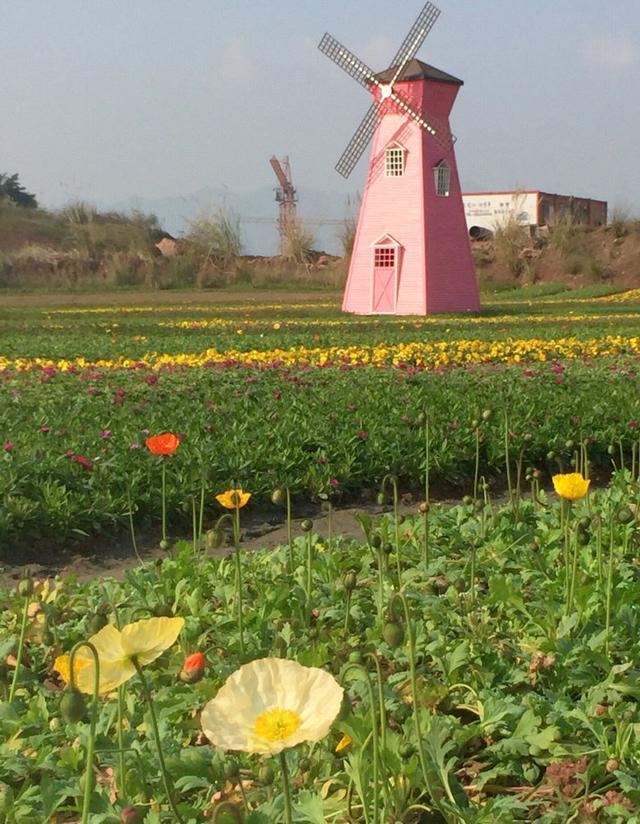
343, 743
571, 486
143, 641
271, 704
233, 498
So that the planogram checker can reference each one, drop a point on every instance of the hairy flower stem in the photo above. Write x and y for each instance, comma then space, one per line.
134, 543
168, 788
23, 632
607, 626
427, 456
286, 789
289, 530
374, 739
425, 519
508, 461
88, 775
399, 596
121, 782
565, 513
309, 583
477, 464
164, 499
347, 614
194, 525
574, 572
236, 543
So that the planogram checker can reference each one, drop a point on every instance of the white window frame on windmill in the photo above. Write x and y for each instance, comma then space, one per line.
394, 160
381, 248
442, 178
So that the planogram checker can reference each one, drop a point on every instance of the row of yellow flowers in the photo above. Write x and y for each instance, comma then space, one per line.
426, 354
220, 322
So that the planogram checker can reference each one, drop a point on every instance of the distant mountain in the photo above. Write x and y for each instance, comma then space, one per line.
175, 213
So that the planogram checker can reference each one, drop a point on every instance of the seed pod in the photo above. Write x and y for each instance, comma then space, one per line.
164, 544
350, 581
306, 525
387, 549
406, 750
355, 657
625, 515
393, 633
231, 769
96, 622
278, 496
569, 444
25, 587
163, 611
265, 775
467, 500
72, 706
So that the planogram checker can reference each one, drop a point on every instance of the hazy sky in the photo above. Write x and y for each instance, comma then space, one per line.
106, 100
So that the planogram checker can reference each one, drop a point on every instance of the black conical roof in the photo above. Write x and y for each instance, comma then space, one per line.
417, 70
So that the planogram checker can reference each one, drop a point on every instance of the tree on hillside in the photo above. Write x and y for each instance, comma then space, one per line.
12, 189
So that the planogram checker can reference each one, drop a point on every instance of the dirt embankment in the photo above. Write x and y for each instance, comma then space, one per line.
571, 254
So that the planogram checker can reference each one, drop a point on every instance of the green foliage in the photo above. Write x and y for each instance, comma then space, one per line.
13, 191
217, 237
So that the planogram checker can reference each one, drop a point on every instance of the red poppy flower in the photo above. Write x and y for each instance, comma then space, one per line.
165, 444
193, 668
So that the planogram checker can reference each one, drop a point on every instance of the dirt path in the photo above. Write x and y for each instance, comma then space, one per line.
103, 560
166, 298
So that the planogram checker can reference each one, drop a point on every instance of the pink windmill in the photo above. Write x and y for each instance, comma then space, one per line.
411, 254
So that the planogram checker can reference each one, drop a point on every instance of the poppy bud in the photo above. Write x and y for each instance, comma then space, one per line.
131, 815
96, 623
569, 444
486, 414
421, 419
278, 496
193, 668
214, 539
406, 750
306, 525
424, 507
72, 706
163, 611
467, 500
381, 499
387, 549
25, 587
350, 581
393, 633
304, 765
164, 545
265, 775
6, 798
625, 515
376, 541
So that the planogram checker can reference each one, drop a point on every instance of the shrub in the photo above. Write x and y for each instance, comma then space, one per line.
510, 238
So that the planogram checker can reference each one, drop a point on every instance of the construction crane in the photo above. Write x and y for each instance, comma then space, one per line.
286, 197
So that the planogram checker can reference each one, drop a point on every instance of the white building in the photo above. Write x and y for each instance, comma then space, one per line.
485, 211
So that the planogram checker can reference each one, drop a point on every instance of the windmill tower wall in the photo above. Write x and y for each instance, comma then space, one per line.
433, 265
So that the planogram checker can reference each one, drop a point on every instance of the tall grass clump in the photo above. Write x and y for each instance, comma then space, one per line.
510, 239
298, 242
217, 238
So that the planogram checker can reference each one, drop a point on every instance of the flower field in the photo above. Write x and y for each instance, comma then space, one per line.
298, 395
468, 663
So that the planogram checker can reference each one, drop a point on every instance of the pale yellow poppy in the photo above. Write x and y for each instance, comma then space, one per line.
272, 704
143, 641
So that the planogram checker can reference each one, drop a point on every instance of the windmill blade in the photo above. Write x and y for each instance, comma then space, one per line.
358, 142
347, 61
436, 127
416, 37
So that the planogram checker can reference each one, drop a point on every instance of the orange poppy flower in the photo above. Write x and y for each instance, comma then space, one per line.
165, 444
233, 498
